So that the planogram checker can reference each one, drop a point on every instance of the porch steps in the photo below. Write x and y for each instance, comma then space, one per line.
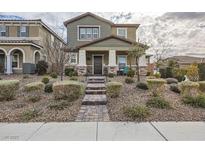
95, 93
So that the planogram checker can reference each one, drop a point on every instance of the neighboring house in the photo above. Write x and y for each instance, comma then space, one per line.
101, 45
22, 43
185, 61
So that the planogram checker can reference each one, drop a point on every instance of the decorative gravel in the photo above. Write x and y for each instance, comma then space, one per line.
131, 96
11, 111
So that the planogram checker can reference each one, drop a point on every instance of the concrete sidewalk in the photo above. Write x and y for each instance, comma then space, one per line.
103, 131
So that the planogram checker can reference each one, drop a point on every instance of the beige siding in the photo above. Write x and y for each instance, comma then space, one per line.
72, 29
131, 32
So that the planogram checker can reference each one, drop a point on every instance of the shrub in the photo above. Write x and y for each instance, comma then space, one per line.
171, 80
142, 85
156, 86
70, 90
69, 72
157, 75
41, 67
137, 112
202, 86
158, 102
163, 72
195, 101
179, 73
34, 91
49, 88
175, 88
59, 105
151, 77
131, 73
45, 80
201, 67
192, 72
74, 78
29, 114
54, 75
113, 89
111, 75
129, 80
8, 89
189, 88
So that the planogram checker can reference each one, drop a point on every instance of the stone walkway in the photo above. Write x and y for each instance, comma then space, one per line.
94, 102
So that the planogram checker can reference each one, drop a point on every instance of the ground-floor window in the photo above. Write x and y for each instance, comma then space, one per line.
73, 58
122, 59
15, 61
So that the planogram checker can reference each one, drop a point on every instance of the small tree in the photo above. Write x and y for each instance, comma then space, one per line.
57, 55
136, 51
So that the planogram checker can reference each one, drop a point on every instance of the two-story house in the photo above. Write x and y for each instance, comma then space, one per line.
102, 45
22, 43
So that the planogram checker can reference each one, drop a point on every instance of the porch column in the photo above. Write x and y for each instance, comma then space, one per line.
8, 64
112, 66
82, 63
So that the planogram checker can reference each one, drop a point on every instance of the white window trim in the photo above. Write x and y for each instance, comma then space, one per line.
125, 32
17, 61
23, 31
125, 59
76, 58
91, 26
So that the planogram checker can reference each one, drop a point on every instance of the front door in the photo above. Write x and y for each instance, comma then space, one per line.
2, 61
98, 65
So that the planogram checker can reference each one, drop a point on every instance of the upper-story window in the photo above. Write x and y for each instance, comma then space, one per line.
122, 32
2, 30
23, 31
89, 33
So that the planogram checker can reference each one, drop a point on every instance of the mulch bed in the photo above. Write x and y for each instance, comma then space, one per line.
11, 111
131, 96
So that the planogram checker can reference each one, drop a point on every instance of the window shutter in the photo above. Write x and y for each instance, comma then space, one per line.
27, 31
7, 31
18, 31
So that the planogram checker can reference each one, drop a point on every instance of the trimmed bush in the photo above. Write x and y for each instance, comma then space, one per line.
136, 112
45, 80
41, 67
158, 102
49, 88
113, 89
111, 75
131, 73
156, 86
195, 101
202, 86
179, 73
189, 88
8, 89
29, 114
70, 90
34, 91
74, 78
129, 80
71, 72
171, 80
142, 85
175, 88
157, 75
54, 75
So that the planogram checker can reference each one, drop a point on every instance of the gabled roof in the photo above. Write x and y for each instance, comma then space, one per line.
87, 14
35, 21
99, 18
106, 38
24, 42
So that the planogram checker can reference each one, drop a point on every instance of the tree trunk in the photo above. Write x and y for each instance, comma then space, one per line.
137, 67
61, 72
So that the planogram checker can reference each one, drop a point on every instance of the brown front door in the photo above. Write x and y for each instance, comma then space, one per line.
98, 65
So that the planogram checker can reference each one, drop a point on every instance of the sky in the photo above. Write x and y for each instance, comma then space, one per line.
175, 33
